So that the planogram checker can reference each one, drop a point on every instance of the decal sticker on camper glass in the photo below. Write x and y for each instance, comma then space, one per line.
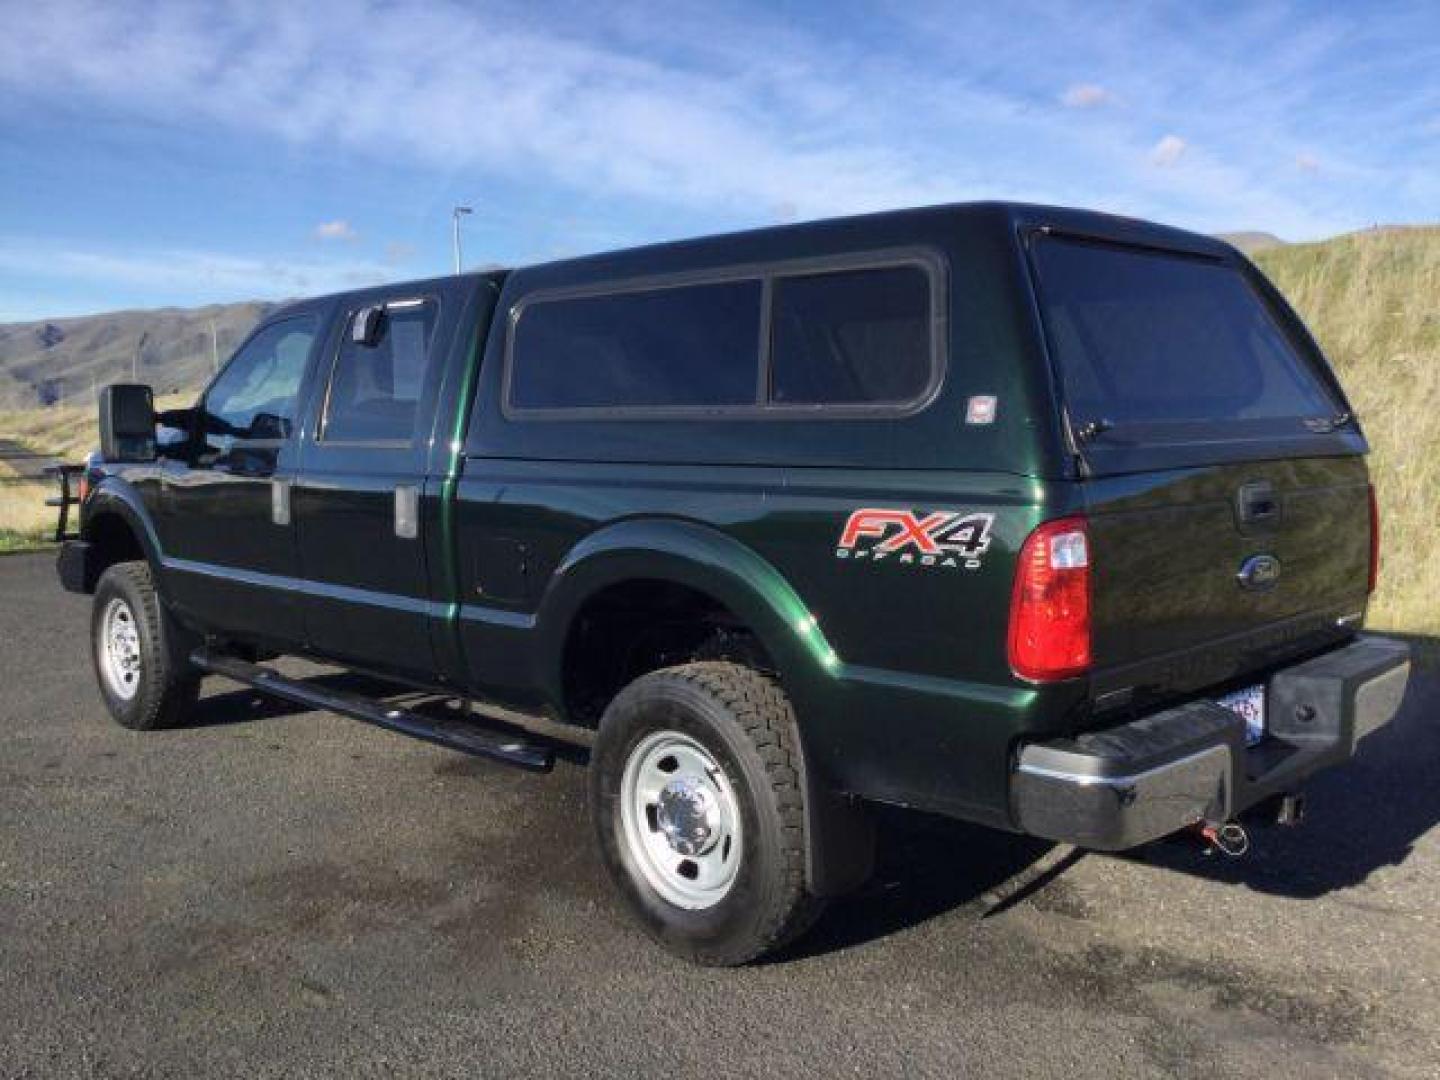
946, 538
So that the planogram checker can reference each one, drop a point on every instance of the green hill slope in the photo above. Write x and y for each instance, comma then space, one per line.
1373, 301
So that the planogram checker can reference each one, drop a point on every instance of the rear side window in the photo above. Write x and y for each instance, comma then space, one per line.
375, 389
856, 337
683, 347
839, 337
1147, 339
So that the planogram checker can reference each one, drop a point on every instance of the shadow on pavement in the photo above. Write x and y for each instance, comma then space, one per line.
1361, 817
926, 866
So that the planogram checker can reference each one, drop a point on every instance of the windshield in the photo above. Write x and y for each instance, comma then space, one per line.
1154, 341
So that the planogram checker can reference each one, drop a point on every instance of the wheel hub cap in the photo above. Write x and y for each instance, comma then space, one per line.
689, 815
120, 649
681, 820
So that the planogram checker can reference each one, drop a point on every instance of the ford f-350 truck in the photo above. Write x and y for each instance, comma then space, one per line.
1049, 520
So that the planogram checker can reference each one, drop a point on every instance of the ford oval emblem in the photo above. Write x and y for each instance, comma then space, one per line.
1259, 572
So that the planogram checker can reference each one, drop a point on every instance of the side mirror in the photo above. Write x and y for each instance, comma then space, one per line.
127, 423
368, 326
269, 426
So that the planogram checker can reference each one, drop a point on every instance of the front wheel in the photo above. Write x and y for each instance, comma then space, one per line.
139, 653
698, 802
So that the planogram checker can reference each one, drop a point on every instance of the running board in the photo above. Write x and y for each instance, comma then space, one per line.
459, 735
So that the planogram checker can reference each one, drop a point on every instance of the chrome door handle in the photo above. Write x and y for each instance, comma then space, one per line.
407, 511
280, 501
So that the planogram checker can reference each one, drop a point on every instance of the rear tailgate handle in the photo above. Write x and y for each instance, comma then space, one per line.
1256, 503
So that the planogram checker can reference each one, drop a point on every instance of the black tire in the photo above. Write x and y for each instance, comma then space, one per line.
744, 721
161, 687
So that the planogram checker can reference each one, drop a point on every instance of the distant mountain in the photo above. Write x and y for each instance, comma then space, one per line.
64, 360
1251, 242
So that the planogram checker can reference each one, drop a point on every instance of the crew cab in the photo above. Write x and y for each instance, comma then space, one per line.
1048, 520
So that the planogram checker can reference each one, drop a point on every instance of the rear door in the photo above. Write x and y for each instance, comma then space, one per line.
1228, 502
358, 499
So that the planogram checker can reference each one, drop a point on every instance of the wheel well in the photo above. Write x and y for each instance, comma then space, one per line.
633, 627
112, 541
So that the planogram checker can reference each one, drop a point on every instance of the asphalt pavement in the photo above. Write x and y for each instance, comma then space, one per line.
272, 892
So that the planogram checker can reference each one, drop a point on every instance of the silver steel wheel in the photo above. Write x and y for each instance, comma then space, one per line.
681, 820
120, 650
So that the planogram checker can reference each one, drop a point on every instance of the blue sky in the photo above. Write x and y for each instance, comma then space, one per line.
166, 153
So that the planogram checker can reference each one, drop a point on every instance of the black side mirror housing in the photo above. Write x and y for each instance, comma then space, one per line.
368, 326
127, 423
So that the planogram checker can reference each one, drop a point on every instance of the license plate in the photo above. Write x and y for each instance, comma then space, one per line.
1249, 705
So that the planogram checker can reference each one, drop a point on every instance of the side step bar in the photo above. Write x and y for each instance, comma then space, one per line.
459, 735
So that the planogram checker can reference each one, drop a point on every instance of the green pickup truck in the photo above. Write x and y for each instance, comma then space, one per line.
1048, 520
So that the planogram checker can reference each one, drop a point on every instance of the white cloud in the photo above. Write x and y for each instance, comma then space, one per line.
1086, 96
191, 274
339, 229
710, 117
455, 86
1168, 151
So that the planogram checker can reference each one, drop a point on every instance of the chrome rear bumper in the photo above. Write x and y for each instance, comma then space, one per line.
1129, 784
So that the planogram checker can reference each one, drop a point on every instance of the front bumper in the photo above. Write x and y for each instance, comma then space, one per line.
1126, 785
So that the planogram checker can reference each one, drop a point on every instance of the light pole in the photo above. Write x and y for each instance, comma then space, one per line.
455, 221
135, 360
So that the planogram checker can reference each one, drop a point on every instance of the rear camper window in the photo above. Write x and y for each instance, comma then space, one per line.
1152, 344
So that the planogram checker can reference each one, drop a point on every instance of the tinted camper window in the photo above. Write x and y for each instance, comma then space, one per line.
686, 347
852, 337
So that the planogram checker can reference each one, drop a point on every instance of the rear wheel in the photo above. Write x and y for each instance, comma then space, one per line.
139, 652
698, 805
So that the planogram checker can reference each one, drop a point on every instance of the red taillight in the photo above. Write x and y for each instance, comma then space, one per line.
1374, 540
1050, 609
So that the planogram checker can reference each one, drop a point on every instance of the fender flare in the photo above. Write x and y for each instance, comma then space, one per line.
118, 498
839, 834
701, 558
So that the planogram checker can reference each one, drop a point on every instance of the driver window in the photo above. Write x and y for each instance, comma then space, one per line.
254, 397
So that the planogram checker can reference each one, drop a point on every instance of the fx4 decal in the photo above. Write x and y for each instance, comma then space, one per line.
949, 538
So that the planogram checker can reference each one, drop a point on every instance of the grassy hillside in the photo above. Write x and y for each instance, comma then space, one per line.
1373, 300
1252, 242
66, 359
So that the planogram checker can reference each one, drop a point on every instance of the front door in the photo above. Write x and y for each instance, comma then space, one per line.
363, 473
224, 526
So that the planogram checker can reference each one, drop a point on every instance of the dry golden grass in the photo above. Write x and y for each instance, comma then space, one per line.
1373, 301
24, 517
67, 433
